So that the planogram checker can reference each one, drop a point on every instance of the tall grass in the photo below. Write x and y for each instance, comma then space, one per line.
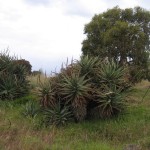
132, 127
34, 79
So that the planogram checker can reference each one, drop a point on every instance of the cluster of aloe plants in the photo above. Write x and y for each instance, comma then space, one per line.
87, 88
13, 82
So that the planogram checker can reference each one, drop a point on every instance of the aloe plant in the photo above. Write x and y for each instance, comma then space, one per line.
110, 101
109, 92
111, 73
90, 84
75, 91
58, 115
30, 109
8, 88
90, 67
46, 93
13, 82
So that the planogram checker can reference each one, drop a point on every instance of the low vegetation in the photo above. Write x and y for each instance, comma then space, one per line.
90, 91
90, 88
93, 103
13, 82
27, 133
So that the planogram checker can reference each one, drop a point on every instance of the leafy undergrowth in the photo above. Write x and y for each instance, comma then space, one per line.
25, 133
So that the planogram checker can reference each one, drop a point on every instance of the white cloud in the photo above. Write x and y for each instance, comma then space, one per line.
129, 3
82, 8
47, 32
38, 2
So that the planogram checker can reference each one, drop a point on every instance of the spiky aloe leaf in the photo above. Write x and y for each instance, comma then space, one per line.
46, 93
110, 101
5, 61
8, 88
13, 82
75, 90
11, 87
58, 115
31, 109
111, 73
90, 67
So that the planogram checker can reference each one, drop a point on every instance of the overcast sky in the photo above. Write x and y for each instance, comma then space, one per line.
47, 32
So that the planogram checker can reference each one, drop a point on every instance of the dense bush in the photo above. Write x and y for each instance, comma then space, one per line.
13, 82
30, 109
113, 35
24, 63
57, 115
91, 88
74, 90
46, 93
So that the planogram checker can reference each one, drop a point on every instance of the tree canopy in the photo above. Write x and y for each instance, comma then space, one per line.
119, 34
24, 63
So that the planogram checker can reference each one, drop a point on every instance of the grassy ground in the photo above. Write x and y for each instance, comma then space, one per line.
20, 133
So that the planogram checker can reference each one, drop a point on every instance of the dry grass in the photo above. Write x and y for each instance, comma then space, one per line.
140, 94
143, 85
25, 139
34, 79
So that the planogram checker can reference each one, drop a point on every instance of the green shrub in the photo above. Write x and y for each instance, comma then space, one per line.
30, 109
46, 93
75, 90
57, 116
110, 101
111, 73
90, 67
91, 87
24, 63
136, 74
13, 82
110, 92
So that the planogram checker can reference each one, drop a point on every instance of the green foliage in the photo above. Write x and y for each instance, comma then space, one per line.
30, 109
46, 93
24, 63
89, 65
8, 87
138, 73
75, 90
111, 89
57, 116
110, 101
132, 127
13, 82
115, 133
119, 34
17, 102
112, 73
90, 87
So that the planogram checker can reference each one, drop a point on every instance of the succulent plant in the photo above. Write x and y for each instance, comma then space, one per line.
58, 115
75, 91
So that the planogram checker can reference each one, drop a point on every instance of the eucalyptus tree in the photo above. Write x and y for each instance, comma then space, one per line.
119, 34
